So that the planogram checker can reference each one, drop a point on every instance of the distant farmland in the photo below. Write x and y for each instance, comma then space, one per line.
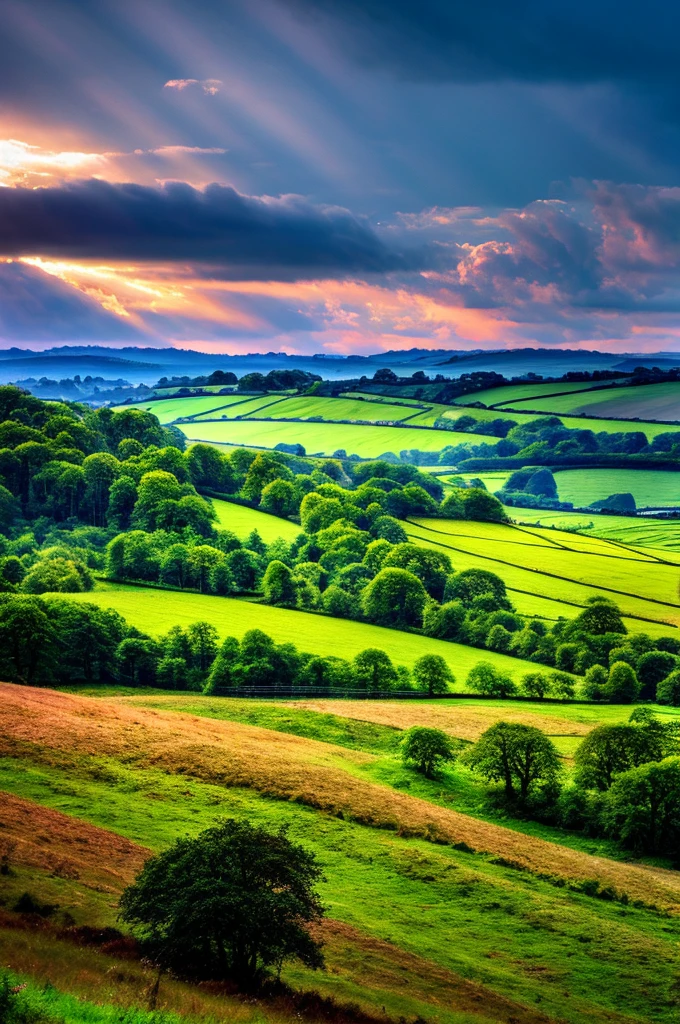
648, 486
635, 530
649, 402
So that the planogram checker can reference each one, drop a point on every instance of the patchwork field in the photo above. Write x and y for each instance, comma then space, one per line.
155, 611
637, 531
324, 438
403, 873
649, 487
509, 393
562, 569
649, 402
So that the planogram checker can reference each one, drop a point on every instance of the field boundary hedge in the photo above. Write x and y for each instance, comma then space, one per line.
356, 694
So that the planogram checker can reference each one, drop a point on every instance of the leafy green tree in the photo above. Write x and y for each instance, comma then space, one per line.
172, 674
452, 506
278, 584
652, 667
562, 685
498, 639
470, 584
231, 903
244, 567
600, 616
427, 749
221, 579
395, 597
327, 672
519, 756
485, 678
390, 529
643, 807
202, 637
100, 470
610, 750
446, 621
222, 671
482, 506
154, 489
122, 499
622, 686
373, 670
210, 468
668, 690
595, 682
337, 602
535, 685
9, 509
202, 560
432, 674
137, 658
175, 567
56, 575
28, 641
264, 469
431, 567
280, 497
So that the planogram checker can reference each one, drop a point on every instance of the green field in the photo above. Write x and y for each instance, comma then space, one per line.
506, 394
647, 402
242, 520
552, 573
155, 611
335, 409
170, 409
487, 924
649, 487
637, 531
325, 438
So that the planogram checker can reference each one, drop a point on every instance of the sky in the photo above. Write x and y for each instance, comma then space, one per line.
341, 176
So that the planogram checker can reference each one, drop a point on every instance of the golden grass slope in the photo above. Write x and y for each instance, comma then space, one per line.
280, 766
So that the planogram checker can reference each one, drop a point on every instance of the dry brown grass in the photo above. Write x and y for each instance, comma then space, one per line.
467, 722
67, 847
291, 768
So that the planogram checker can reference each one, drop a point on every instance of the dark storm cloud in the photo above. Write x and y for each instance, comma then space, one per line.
490, 40
243, 237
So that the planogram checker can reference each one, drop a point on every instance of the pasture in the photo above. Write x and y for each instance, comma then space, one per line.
550, 571
242, 520
647, 402
324, 438
404, 869
155, 611
649, 487
636, 531
509, 393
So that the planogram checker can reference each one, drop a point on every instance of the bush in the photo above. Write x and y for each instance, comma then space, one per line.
622, 686
394, 598
668, 690
427, 749
643, 807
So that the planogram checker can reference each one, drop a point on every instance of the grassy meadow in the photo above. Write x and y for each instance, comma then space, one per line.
630, 530
433, 911
648, 402
562, 570
155, 611
525, 392
653, 487
242, 520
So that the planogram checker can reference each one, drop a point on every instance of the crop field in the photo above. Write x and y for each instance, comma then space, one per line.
636, 531
404, 871
507, 394
155, 611
563, 569
648, 402
324, 438
242, 520
649, 487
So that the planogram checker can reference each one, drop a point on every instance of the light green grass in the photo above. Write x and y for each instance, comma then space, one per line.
155, 611
557, 567
520, 392
242, 520
609, 426
647, 402
169, 409
649, 487
636, 531
334, 409
503, 928
325, 438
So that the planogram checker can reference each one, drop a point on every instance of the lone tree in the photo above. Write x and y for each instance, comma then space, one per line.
432, 674
520, 756
231, 903
427, 749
